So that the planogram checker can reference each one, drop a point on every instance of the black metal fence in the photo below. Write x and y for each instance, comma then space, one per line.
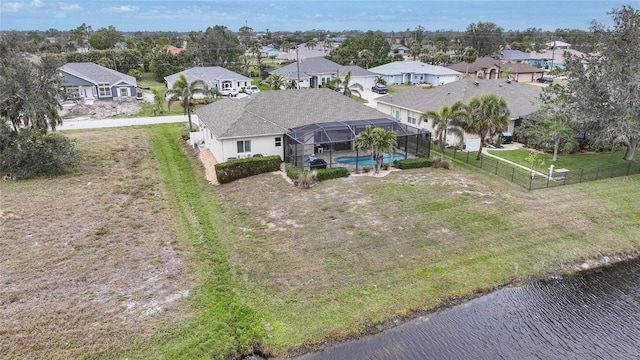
533, 180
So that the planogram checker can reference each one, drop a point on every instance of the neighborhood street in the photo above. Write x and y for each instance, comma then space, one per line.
80, 124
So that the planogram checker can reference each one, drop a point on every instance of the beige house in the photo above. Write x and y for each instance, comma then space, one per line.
489, 68
407, 106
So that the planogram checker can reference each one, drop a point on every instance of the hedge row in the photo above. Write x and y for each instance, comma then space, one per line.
241, 168
294, 172
414, 163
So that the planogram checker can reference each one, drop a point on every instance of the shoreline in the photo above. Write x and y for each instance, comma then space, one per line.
558, 272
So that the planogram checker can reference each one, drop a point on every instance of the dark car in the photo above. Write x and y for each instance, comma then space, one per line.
380, 89
545, 80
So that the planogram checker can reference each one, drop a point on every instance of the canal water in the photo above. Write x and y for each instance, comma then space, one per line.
591, 315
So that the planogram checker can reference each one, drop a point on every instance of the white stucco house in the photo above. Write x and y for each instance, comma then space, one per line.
407, 106
215, 77
415, 72
290, 123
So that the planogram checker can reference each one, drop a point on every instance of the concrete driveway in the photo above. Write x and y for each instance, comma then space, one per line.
370, 96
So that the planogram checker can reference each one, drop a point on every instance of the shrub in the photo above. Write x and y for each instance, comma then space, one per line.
446, 164
293, 172
242, 168
414, 163
306, 180
365, 169
28, 153
385, 166
332, 173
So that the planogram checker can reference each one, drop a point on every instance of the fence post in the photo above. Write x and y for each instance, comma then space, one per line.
467, 157
497, 163
513, 172
530, 182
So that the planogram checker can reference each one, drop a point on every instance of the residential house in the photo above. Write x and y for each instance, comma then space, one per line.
514, 56
399, 49
294, 124
552, 58
89, 82
408, 105
415, 72
215, 77
293, 55
489, 68
317, 71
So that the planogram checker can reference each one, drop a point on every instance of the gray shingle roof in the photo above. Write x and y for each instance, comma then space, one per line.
318, 66
208, 74
414, 67
521, 99
276, 111
480, 64
97, 74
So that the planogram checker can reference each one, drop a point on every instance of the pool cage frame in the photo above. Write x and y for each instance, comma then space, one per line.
304, 142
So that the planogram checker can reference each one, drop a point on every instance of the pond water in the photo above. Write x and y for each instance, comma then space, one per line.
592, 315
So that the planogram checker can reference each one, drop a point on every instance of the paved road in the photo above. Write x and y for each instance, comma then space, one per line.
118, 122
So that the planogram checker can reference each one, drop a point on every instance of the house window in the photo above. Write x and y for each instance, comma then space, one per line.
411, 117
104, 90
73, 92
278, 141
244, 146
124, 91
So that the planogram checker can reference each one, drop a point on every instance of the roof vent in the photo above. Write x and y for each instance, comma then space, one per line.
476, 83
508, 81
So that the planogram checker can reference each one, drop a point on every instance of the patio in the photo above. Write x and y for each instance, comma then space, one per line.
329, 141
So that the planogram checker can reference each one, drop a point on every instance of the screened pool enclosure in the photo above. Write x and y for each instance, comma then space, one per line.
331, 140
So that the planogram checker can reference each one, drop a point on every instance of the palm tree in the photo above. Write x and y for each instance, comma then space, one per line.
380, 81
386, 142
275, 81
470, 55
366, 57
448, 119
489, 116
347, 86
366, 140
183, 91
311, 43
378, 141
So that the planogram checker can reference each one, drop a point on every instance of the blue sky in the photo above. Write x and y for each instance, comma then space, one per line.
291, 15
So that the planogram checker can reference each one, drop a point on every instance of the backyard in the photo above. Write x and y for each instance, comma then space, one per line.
138, 256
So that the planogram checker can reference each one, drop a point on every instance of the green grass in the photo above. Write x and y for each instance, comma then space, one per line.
224, 325
571, 162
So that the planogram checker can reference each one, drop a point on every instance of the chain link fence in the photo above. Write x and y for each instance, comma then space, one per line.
533, 180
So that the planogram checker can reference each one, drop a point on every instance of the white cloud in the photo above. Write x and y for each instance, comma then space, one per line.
123, 9
36, 4
278, 6
69, 7
11, 6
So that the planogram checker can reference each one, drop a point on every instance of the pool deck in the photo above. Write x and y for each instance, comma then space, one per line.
327, 156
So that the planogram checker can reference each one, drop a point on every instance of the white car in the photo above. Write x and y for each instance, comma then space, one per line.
229, 92
252, 89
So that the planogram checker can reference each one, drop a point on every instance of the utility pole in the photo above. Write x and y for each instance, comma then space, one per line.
298, 64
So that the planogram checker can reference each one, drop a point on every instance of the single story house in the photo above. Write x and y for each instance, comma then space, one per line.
415, 72
88, 81
215, 77
408, 105
552, 58
296, 124
399, 49
489, 68
316, 71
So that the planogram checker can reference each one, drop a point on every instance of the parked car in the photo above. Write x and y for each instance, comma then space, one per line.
252, 89
545, 79
380, 89
229, 92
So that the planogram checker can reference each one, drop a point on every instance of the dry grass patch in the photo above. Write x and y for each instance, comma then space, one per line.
89, 263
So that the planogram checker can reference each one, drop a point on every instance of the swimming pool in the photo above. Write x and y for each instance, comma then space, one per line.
366, 159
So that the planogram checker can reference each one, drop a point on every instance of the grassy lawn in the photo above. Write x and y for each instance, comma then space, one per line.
259, 263
571, 162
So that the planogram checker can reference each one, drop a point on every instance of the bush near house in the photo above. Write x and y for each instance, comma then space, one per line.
294, 172
242, 168
414, 163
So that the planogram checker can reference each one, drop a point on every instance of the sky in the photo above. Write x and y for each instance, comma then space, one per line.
292, 15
